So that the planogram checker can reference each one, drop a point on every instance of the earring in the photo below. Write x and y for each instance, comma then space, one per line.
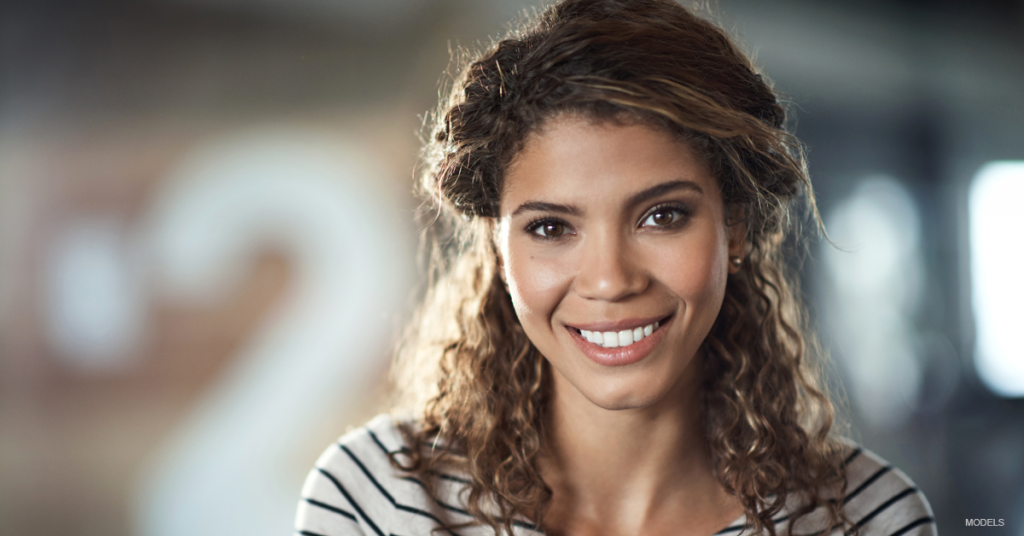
736, 261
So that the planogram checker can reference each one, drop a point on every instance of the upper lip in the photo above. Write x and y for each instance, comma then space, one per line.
618, 325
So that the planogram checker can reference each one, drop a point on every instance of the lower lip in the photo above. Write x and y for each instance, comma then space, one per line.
621, 356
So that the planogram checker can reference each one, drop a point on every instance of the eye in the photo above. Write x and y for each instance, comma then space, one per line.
664, 216
548, 228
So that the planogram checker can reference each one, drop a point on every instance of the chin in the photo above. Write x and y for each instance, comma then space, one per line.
645, 386
623, 397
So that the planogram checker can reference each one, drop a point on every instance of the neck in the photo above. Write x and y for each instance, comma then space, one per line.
621, 468
649, 447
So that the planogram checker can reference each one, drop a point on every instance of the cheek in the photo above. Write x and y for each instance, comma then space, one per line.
536, 283
696, 270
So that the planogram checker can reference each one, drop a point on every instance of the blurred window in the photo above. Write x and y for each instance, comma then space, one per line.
875, 271
997, 282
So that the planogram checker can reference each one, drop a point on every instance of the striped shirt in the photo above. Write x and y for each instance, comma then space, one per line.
354, 490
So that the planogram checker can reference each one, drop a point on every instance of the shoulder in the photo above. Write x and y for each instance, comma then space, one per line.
355, 489
881, 500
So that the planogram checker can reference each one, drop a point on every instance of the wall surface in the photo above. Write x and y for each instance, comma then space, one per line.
206, 240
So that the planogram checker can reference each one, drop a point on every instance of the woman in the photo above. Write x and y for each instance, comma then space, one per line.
611, 342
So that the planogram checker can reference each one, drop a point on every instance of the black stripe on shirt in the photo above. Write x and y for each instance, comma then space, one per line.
895, 498
849, 458
387, 495
376, 440
334, 509
863, 486
856, 452
881, 508
453, 478
912, 525
308, 533
389, 453
351, 501
732, 528
444, 505
871, 479
516, 522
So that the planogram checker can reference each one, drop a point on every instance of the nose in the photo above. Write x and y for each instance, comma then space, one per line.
609, 269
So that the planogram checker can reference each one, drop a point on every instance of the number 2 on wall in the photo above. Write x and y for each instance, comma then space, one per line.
228, 470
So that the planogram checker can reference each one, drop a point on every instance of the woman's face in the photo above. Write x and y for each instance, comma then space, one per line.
618, 231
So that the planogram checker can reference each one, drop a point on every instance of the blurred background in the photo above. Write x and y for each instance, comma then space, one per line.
206, 241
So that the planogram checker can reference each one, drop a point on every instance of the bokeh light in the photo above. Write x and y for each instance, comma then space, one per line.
997, 285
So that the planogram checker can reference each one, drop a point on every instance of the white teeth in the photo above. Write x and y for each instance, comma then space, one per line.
615, 339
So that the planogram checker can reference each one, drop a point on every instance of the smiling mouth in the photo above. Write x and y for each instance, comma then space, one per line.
620, 339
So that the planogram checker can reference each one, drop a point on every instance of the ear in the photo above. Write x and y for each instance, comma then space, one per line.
736, 224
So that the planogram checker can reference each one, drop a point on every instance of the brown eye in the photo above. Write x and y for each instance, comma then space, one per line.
550, 229
662, 217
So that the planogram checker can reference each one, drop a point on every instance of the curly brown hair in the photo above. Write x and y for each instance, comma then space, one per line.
475, 382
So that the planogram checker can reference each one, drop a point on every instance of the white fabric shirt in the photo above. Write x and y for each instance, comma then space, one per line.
354, 490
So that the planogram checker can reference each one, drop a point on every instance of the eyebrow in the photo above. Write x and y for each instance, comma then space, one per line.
651, 193
659, 190
541, 206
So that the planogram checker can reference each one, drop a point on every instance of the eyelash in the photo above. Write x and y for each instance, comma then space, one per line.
539, 223
683, 213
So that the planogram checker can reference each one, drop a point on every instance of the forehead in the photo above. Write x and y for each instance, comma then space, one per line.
576, 158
